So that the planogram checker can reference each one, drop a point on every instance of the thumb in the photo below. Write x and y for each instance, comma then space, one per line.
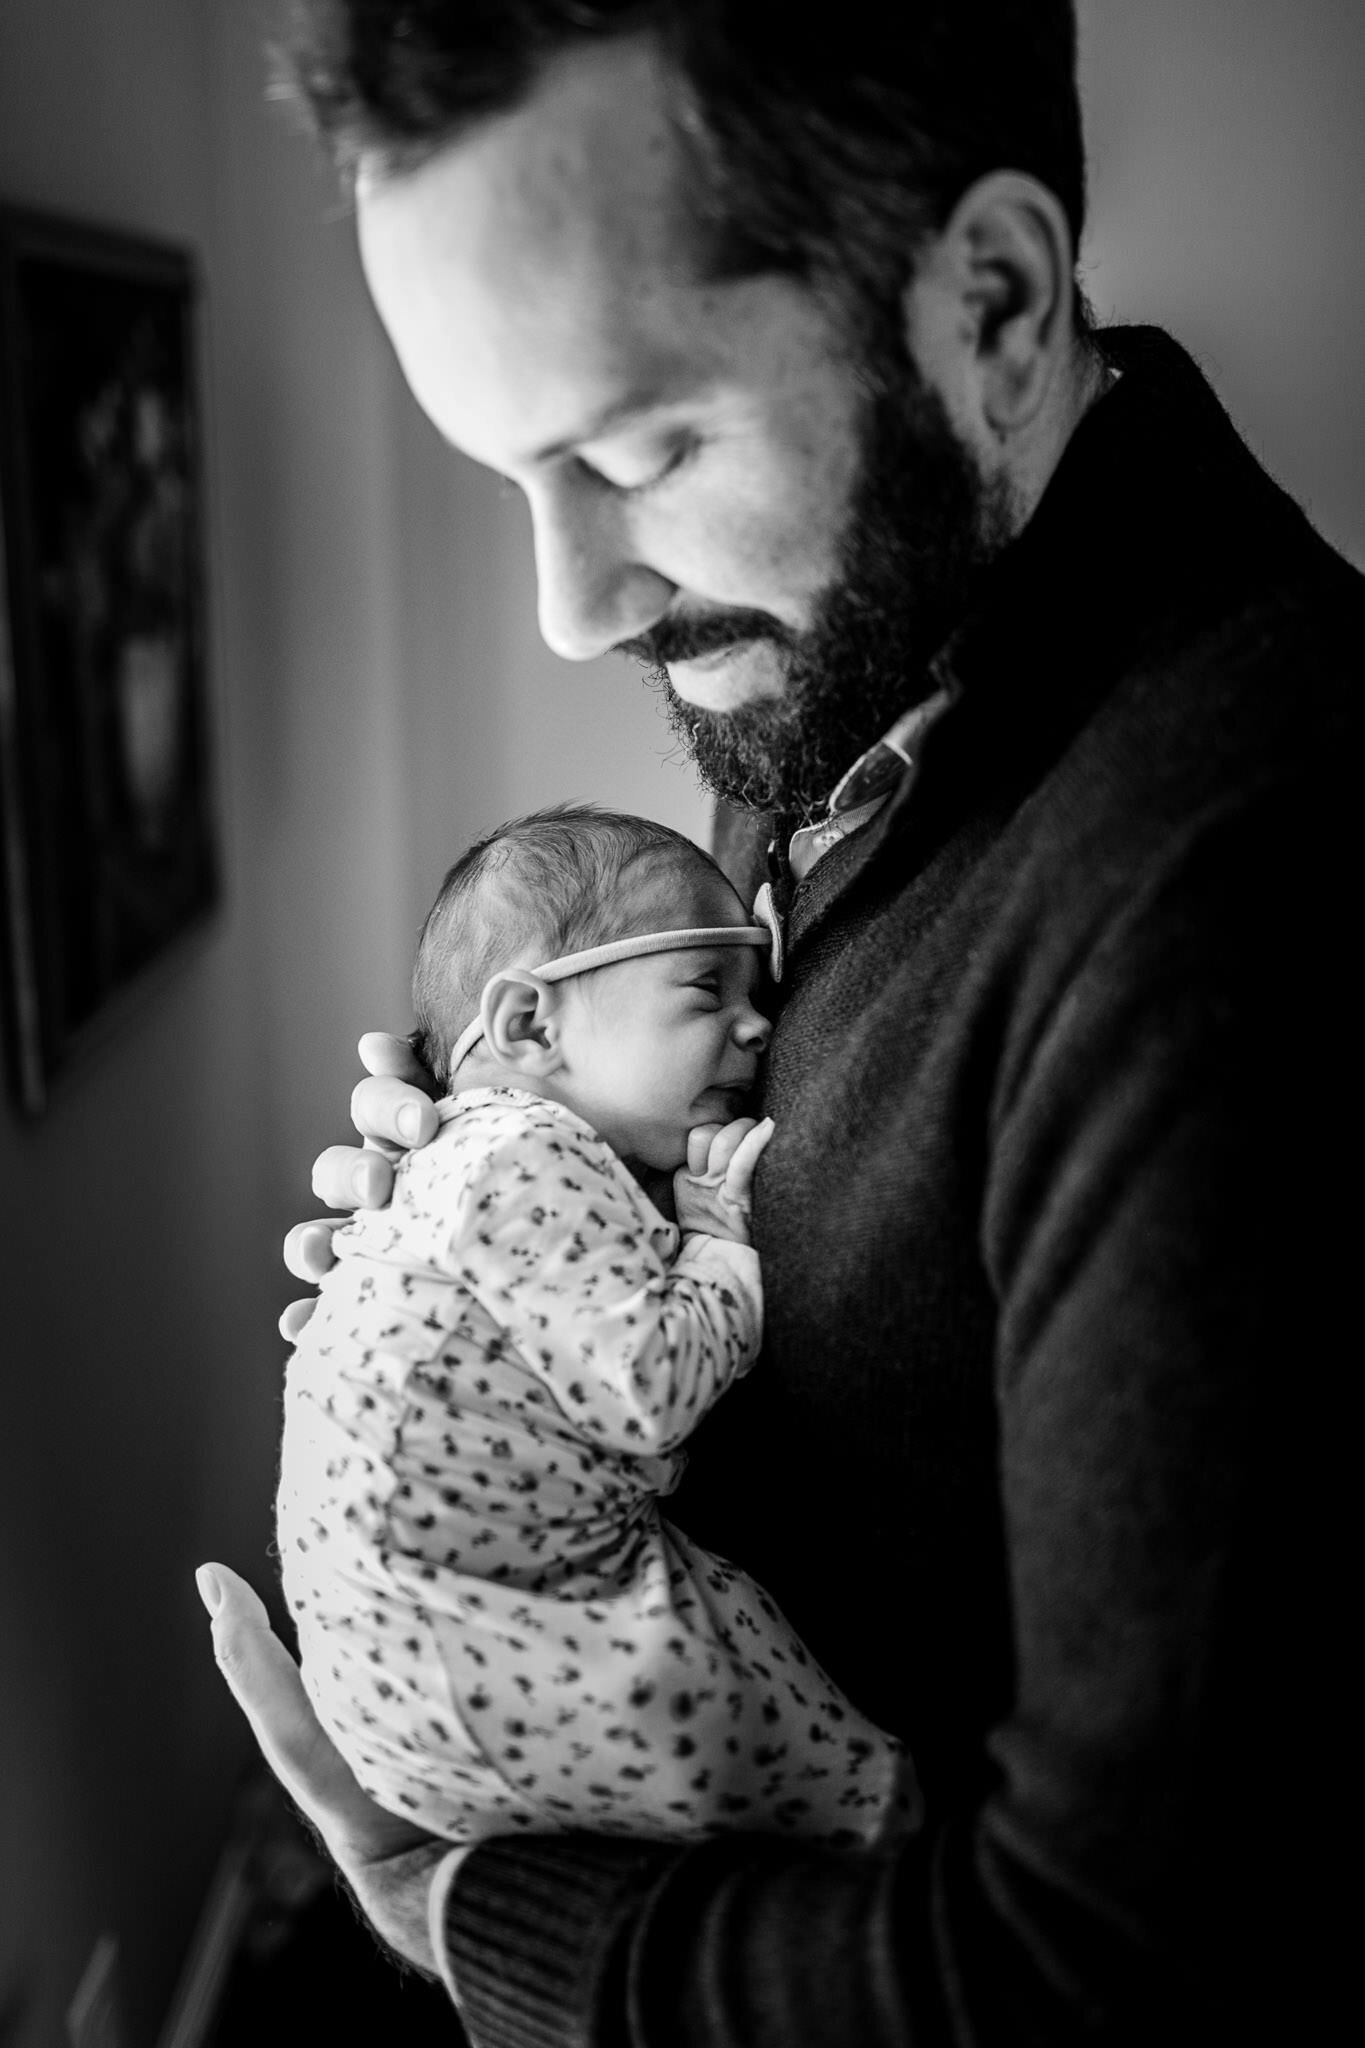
264, 1680
263, 1677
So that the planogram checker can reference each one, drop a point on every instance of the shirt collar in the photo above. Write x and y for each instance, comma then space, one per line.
876, 776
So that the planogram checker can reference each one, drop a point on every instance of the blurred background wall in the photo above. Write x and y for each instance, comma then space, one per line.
380, 695
1227, 182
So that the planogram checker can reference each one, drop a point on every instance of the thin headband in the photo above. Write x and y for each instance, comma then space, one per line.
620, 949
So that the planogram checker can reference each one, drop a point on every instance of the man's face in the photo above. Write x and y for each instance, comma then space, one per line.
717, 484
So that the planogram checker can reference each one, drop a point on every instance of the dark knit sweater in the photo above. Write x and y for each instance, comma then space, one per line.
1038, 1455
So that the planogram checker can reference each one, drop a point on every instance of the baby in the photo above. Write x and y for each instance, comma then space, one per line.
497, 1626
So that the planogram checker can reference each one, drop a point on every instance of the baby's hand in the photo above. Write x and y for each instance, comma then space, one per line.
712, 1191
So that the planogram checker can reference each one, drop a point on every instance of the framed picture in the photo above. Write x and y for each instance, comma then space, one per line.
108, 838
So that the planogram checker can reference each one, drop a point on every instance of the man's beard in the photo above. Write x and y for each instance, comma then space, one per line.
922, 524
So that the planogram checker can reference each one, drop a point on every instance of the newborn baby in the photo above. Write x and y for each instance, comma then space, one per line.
497, 1626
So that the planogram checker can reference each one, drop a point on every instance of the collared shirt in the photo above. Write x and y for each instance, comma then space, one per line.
887, 767
875, 777
870, 783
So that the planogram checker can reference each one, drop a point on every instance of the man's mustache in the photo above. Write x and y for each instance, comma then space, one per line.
687, 639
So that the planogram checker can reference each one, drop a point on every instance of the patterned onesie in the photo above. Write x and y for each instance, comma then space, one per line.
497, 1626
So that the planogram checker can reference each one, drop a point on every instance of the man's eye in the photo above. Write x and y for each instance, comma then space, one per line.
682, 451
634, 478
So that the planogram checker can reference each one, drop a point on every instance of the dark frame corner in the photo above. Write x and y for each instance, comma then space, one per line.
107, 834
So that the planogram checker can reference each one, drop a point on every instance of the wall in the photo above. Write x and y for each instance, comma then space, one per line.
1227, 163
136, 1250
380, 695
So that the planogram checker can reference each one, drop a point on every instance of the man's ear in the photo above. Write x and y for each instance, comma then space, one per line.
519, 1014
990, 309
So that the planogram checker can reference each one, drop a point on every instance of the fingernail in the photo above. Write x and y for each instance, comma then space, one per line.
409, 1122
210, 1590
360, 1181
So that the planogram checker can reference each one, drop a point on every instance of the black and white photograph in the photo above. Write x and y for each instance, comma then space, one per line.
679, 718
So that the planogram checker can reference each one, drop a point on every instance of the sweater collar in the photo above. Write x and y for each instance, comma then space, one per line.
1150, 512
888, 768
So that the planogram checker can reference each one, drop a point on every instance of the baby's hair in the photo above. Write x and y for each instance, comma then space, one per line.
536, 888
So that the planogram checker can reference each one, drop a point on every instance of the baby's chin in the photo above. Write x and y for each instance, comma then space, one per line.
664, 1151
665, 1157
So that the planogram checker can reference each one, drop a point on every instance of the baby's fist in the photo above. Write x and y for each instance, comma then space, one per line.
713, 1192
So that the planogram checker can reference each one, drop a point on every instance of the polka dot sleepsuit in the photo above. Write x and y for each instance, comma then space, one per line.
497, 1626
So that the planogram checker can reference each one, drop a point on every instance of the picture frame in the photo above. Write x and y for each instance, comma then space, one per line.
107, 832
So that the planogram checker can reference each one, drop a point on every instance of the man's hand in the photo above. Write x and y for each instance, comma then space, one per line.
393, 1111
388, 1862
714, 1190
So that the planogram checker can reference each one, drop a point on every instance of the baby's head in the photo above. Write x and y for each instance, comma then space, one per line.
643, 1048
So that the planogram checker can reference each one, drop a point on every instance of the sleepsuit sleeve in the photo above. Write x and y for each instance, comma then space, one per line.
634, 1339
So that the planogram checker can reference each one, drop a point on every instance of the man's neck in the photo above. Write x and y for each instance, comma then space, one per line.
1082, 381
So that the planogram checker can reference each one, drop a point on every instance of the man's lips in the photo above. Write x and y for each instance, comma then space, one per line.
703, 642
713, 659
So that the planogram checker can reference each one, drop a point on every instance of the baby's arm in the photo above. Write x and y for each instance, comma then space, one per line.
566, 1253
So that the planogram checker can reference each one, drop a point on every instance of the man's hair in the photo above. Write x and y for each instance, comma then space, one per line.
826, 142
554, 882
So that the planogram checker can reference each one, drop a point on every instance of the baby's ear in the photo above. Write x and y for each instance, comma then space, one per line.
518, 1014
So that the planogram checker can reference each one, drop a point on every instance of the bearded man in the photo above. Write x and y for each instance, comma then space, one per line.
1041, 690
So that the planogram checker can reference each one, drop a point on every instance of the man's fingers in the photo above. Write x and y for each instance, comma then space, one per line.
382, 1053
353, 1177
308, 1252
296, 1318
393, 1111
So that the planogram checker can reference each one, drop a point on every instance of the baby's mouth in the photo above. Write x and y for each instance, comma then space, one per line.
734, 1094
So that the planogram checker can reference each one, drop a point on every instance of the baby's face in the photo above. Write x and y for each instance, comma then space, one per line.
653, 1047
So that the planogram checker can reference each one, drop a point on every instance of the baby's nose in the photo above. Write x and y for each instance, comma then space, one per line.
752, 1030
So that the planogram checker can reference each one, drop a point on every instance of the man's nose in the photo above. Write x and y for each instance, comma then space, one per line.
593, 593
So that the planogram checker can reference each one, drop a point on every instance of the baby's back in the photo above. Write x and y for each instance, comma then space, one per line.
418, 1436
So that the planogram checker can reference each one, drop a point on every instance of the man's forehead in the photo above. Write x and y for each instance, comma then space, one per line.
556, 228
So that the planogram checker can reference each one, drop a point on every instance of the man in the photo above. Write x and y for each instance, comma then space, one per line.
774, 324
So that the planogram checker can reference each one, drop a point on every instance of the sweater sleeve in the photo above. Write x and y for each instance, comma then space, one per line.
634, 1342
1168, 1258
